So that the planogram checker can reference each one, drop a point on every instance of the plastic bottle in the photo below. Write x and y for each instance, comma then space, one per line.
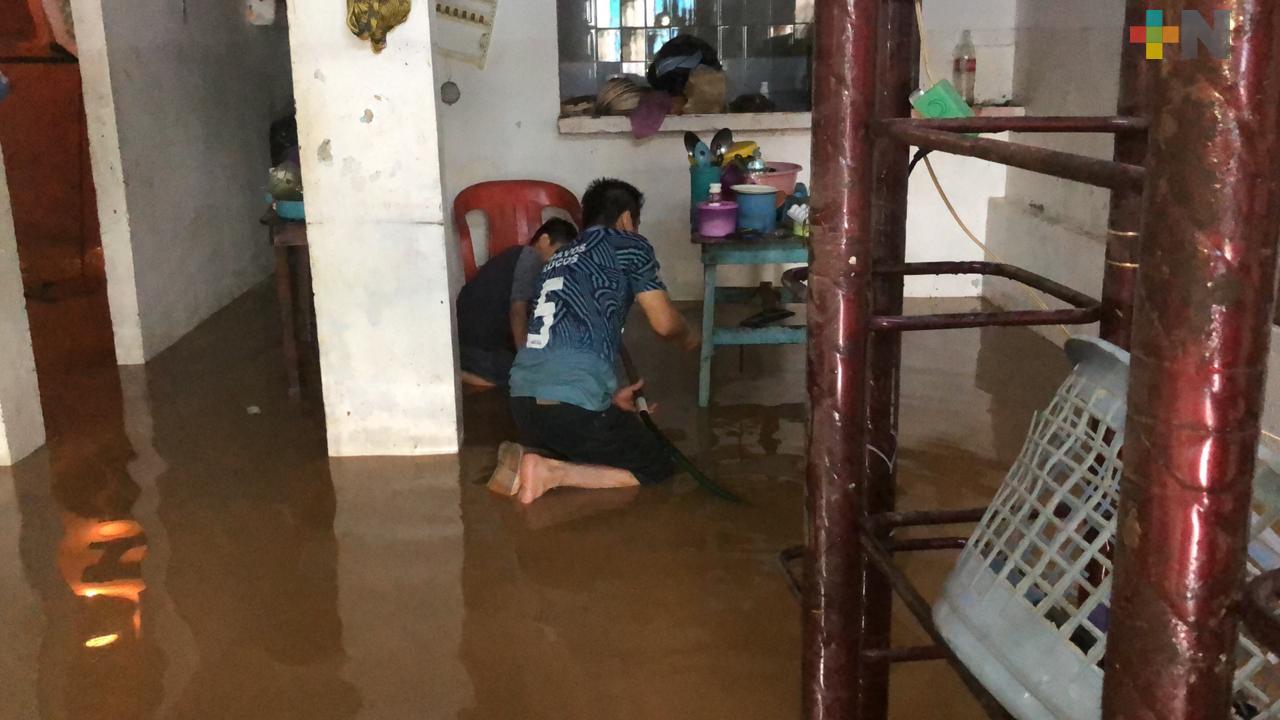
964, 68
714, 196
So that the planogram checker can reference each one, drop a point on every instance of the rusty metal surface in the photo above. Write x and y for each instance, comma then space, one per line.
922, 544
786, 559
1124, 220
1088, 170
914, 653
1032, 280
911, 598
839, 312
918, 518
1085, 309
1120, 124
1012, 318
897, 75
1256, 610
1203, 304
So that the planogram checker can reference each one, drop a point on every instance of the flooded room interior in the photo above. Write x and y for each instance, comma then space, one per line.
777, 359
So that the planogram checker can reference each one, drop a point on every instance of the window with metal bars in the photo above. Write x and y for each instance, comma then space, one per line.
757, 41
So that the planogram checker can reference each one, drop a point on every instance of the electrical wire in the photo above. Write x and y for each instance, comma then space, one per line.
933, 175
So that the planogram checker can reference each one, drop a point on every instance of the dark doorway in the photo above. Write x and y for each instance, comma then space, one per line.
46, 158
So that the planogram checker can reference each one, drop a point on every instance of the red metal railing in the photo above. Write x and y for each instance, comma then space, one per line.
1201, 290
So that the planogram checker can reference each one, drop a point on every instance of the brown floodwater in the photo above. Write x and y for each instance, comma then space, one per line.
184, 549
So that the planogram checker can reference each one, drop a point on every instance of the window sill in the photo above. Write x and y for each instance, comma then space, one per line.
620, 124
738, 122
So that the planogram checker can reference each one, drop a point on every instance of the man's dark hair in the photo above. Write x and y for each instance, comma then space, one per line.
561, 232
607, 198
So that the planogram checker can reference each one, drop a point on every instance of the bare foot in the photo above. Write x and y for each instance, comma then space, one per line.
472, 383
506, 476
537, 476
571, 505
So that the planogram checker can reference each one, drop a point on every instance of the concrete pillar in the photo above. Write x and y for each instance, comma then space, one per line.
108, 181
375, 223
21, 420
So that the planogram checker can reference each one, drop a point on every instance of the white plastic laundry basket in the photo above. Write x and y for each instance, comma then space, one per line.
1026, 607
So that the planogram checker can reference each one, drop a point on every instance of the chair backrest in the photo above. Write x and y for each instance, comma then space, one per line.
514, 211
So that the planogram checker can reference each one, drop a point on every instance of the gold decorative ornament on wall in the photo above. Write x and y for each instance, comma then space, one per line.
372, 19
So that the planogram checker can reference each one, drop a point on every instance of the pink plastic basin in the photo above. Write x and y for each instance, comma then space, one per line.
782, 177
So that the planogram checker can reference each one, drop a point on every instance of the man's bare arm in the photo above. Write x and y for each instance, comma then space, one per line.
665, 319
519, 317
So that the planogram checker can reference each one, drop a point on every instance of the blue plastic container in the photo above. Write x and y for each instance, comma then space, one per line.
290, 209
756, 211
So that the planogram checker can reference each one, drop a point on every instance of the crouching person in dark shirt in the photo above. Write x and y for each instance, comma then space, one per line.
493, 308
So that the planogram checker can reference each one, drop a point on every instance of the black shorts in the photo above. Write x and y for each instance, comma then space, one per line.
613, 438
492, 365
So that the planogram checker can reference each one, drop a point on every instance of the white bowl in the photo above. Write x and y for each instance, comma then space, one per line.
754, 189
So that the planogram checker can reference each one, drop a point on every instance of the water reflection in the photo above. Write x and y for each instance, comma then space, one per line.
84, 553
184, 554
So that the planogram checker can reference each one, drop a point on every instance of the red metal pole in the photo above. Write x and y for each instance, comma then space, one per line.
839, 314
1081, 168
897, 72
1204, 293
1125, 218
1030, 124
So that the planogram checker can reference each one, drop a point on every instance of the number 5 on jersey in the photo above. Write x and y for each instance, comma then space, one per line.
545, 311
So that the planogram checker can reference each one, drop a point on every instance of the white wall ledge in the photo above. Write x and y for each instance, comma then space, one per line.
775, 121
618, 124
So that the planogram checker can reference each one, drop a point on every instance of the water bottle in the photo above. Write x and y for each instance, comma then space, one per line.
964, 67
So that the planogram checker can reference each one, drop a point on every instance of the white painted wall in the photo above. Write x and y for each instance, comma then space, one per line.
178, 96
1068, 59
379, 259
21, 419
1067, 64
504, 127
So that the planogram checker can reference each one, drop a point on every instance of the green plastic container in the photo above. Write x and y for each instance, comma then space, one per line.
700, 179
941, 101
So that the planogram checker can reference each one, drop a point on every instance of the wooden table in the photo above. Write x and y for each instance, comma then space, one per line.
737, 251
293, 289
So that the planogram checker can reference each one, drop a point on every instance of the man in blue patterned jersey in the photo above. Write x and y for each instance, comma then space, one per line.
565, 395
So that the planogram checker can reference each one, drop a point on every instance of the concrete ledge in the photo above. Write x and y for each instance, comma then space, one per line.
738, 122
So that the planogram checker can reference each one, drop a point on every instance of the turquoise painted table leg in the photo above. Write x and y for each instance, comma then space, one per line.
708, 332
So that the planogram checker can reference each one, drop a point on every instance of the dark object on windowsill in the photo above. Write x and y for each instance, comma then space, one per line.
751, 103
673, 62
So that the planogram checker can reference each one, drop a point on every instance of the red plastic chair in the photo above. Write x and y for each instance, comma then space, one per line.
514, 211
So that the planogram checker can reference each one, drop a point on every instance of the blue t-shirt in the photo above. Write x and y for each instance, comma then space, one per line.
584, 294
